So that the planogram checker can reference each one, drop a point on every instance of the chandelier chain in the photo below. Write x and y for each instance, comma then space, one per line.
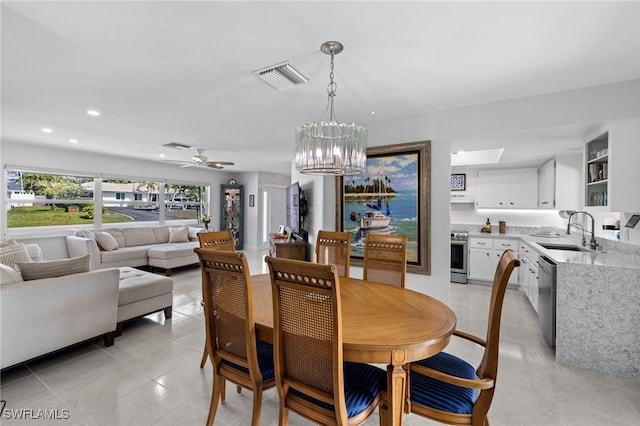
331, 90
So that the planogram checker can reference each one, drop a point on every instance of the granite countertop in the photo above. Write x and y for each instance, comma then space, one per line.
590, 257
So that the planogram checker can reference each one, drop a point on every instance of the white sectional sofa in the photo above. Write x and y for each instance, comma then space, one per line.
158, 247
40, 316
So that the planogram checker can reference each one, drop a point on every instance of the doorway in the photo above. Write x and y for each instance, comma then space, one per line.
274, 211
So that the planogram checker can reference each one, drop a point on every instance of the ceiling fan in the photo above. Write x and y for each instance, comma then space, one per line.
201, 160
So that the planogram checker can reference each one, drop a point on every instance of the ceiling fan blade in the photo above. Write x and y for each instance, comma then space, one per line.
214, 165
176, 161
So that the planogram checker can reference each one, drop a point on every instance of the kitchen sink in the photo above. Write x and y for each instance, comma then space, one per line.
564, 247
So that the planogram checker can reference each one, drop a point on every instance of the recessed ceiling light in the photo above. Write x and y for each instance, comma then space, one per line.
46, 130
373, 113
93, 112
161, 155
73, 140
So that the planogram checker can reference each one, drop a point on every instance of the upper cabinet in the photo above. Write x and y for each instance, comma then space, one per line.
509, 189
611, 173
547, 185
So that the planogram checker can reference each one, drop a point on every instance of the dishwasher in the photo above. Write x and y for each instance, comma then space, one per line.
547, 273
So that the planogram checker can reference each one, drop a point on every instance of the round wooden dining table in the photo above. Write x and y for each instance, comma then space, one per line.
381, 324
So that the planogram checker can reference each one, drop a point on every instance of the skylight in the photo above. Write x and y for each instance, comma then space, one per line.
470, 158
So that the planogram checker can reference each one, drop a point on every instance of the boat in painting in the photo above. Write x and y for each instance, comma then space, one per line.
374, 220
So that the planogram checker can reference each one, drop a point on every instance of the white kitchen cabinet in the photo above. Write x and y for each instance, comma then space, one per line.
511, 189
611, 172
481, 264
547, 185
484, 254
529, 273
499, 246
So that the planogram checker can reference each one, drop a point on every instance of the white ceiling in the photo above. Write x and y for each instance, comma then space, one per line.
182, 71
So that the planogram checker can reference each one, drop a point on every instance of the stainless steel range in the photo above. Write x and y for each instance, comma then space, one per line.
459, 257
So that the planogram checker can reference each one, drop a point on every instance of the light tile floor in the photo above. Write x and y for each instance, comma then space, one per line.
151, 376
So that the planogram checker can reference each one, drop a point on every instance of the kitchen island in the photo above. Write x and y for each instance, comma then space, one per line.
597, 302
597, 309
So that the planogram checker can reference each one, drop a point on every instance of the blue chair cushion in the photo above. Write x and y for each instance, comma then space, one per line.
362, 384
440, 395
265, 360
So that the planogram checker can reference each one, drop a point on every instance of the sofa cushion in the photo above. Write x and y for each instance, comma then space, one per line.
106, 241
9, 275
179, 235
117, 234
54, 268
124, 254
162, 234
138, 285
138, 236
13, 254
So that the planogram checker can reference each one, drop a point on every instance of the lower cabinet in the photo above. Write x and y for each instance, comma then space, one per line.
481, 264
529, 273
484, 254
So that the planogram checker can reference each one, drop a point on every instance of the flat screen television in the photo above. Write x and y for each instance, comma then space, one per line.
293, 207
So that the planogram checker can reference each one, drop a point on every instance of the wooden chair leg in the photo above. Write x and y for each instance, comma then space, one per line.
218, 384
257, 406
239, 389
205, 356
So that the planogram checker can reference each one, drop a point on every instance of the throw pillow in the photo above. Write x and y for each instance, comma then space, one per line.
162, 234
88, 234
9, 275
178, 235
11, 255
193, 233
7, 243
106, 241
54, 268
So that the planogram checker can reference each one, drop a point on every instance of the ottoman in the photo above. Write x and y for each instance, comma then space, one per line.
142, 293
172, 255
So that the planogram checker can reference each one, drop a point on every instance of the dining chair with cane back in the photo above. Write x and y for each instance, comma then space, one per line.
236, 353
334, 247
446, 388
311, 377
218, 240
385, 259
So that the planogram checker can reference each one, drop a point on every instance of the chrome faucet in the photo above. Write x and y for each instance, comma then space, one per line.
593, 243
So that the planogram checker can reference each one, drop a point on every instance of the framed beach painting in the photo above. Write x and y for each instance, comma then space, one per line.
393, 197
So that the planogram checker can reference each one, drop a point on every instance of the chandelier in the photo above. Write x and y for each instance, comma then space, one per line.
329, 147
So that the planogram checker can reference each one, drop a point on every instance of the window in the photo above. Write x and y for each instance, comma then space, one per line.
37, 199
185, 201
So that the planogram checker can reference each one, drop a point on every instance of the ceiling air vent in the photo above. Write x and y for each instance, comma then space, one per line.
176, 145
282, 76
